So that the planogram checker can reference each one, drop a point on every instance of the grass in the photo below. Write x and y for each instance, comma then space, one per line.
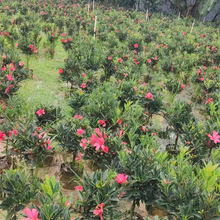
46, 88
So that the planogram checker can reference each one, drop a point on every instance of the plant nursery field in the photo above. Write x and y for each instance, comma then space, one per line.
107, 113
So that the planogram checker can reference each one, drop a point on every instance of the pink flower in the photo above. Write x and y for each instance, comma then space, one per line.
79, 157
209, 101
80, 188
143, 128
15, 132
7, 90
49, 147
63, 34
2, 136
99, 210
80, 131
83, 86
199, 71
83, 143
215, 137
32, 214
99, 142
119, 121
31, 46
110, 58
17, 44
182, 86
78, 116
60, 71
67, 203
136, 46
3, 68
121, 178
149, 60
21, 64
40, 112
149, 96
102, 122
120, 60
9, 77
202, 79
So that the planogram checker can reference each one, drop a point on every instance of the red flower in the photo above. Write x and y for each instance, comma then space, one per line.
15, 132
99, 142
209, 101
40, 112
21, 64
149, 96
202, 79
80, 188
215, 137
83, 85
31, 46
136, 46
9, 77
83, 143
121, 178
60, 71
99, 210
79, 157
32, 214
78, 116
119, 121
80, 131
182, 86
67, 203
2, 136
120, 60
102, 122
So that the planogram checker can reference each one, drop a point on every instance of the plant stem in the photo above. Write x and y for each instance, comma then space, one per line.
27, 62
132, 210
176, 141
74, 159
6, 150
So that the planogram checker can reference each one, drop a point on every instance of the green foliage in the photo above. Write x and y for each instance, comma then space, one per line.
99, 187
52, 201
18, 189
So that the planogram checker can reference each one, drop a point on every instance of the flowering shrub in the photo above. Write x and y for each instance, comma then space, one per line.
31, 142
49, 114
18, 188
11, 74
143, 166
183, 190
99, 196
103, 103
53, 202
